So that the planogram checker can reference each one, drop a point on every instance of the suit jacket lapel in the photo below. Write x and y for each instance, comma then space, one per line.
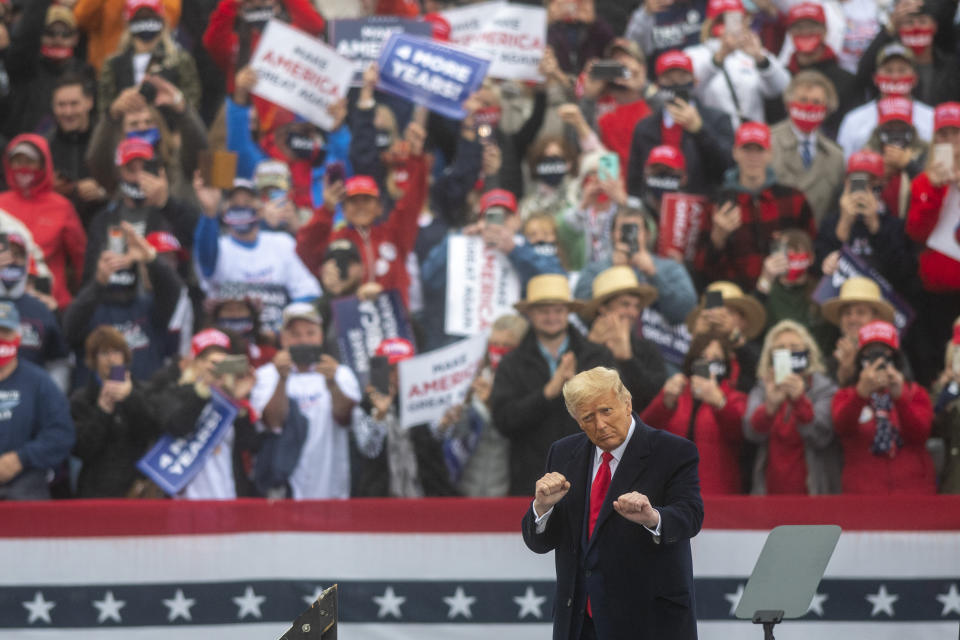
581, 458
633, 463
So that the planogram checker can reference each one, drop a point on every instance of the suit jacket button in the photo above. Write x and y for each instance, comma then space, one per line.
569, 602
589, 573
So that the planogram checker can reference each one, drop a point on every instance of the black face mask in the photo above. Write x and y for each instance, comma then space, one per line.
123, 281
656, 186
799, 361
133, 191
242, 327
899, 138
306, 148
546, 249
551, 170
258, 18
383, 139
681, 91
145, 29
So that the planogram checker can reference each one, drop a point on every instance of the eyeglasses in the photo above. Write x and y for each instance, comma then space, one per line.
59, 33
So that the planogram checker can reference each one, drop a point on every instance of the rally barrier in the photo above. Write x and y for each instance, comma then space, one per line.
435, 568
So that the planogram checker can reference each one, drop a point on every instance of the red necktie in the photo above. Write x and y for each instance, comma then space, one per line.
601, 482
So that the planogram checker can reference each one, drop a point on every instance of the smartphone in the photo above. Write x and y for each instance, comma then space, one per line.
713, 299
116, 240
608, 70
118, 373
233, 364
629, 236
380, 374
943, 153
859, 183
148, 91
42, 284
608, 167
733, 22
304, 355
495, 215
336, 172
782, 367
701, 369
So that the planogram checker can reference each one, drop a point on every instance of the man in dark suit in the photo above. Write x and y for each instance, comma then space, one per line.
629, 574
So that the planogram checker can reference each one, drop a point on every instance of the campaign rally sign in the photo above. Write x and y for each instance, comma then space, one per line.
436, 76
850, 265
363, 324
513, 36
271, 298
673, 340
482, 285
681, 217
433, 382
173, 462
362, 39
300, 73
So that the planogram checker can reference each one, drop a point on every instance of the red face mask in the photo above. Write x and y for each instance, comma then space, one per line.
918, 39
495, 355
890, 86
56, 53
807, 117
807, 44
25, 179
487, 115
8, 350
797, 265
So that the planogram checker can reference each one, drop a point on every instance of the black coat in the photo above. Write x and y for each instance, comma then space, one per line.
644, 374
640, 586
525, 416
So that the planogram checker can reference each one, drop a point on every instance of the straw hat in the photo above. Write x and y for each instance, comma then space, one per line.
616, 281
734, 298
549, 288
857, 289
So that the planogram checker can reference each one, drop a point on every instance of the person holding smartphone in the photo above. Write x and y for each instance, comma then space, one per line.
946, 423
325, 393
883, 420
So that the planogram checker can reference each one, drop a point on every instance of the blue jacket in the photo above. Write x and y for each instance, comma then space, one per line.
34, 418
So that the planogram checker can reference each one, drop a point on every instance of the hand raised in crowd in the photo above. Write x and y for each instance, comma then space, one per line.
686, 115
283, 363
481, 387
774, 395
209, 197
415, 135
774, 266
592, 87
338, 111
565, 370
239, 387
381, 401
902, 10
450, 417
499, 237
895, 381
845, 352
138, 249
279, 212
726, 220
939, 175
114, 392
707, 390
672, 389
369, 290
333, 193
873, 377
829, 265
130, 99
615, 190
749, 42
794, 386
107, 264
243, 84
571, 114
89, 190
636, 507
896, 158
548, 491
640, 259
550, 69
10, 466
618, 337
168, 95
729, 42
492, 159
327, 367
156, 188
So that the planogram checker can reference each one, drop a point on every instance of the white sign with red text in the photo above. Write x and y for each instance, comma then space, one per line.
300, 73
512, 36
482, 285
435, 381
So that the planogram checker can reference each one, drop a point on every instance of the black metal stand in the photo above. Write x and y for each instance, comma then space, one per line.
319, 622
768, 618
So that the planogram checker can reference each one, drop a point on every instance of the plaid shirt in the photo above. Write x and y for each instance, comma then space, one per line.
773, 209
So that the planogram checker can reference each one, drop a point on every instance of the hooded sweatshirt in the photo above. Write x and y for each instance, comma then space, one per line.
50, 217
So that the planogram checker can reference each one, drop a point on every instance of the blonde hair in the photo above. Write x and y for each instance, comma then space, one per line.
784, 326
516, 325
590, 384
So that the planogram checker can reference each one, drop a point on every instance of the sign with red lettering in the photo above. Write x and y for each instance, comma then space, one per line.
300, 73
481, 286
433, 382
513, 36
681, 216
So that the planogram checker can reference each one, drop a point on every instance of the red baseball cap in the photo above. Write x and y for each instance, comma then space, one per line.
209, 338
131, 149
878, 331
362, 186
499, 197
667, 156
719, 7
441, 27
894, 109
166, 242
867, 162
947, 114
135, 5
752, 133
806, 11
396, 350
675, 59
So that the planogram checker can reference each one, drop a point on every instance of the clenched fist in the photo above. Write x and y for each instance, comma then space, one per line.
636, 507
550, 490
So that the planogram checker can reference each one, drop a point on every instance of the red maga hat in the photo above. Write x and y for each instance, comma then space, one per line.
752, 133
131, 149
362, 186
806, 11
947, 114
209, 338
668, 156
675, 59
499, 198
866, 161
894, 109
878, 331
135, 5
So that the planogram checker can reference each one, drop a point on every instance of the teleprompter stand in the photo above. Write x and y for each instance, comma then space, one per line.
319, 622
785, 578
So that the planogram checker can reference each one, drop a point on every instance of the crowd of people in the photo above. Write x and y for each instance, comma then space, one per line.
817, 135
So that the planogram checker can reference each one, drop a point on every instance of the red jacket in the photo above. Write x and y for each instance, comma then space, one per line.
786, 454
938, 272
616, 129
385, 246
910, 470
717, 434
51, 218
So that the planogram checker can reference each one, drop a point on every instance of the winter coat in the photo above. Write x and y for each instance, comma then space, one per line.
938, 271
104, 24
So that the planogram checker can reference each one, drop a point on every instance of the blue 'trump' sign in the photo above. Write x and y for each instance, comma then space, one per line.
436, 76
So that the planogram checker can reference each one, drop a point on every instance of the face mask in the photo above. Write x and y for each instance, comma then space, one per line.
151, 136
799, 360
146, 29
807, 117
679, 91
56, 53
12, 275
8, 350
918, 39
24, 179
240, 326
546, 249
551, 170
718, 369
495, 355
663, 183
901, 138
123, 279
258, 18
487, 115
133, 191
807, 44
241, 220
797, 265
890, 86
383, 139
305, 148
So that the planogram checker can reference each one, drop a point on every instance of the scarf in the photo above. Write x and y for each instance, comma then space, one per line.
887, 438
